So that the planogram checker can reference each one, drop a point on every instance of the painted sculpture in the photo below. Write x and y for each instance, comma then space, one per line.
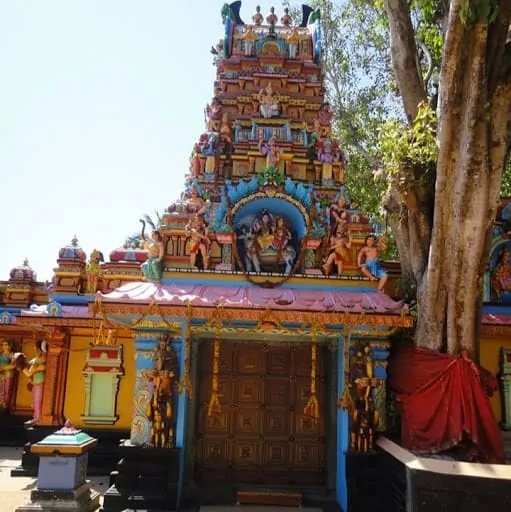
268, 102
266, 244
500, 278
369, 261
152, 268
337, 251
160, 409
93, 271
364, 415
35, 370
258, 18
197, 230
6, 373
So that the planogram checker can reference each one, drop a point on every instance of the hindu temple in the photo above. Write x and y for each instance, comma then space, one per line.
241, 344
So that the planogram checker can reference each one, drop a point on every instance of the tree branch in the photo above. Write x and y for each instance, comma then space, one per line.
403, 50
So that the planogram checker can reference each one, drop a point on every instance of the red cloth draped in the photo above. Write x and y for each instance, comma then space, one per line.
443, 400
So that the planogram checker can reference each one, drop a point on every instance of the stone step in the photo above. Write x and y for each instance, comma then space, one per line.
256, 508
269, 497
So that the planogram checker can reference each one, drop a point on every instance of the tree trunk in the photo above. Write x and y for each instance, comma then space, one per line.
474, 116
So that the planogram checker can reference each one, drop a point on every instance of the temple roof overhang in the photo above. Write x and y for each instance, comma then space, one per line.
249, 304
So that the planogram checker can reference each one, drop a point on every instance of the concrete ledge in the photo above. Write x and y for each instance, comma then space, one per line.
444, 467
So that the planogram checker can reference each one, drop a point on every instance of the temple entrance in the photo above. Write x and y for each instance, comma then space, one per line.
261, 435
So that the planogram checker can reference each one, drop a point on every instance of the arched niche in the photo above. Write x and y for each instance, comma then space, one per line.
247, 218
497, 283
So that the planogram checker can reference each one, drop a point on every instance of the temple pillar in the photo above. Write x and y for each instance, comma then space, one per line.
145, 344
140, 424
55, 379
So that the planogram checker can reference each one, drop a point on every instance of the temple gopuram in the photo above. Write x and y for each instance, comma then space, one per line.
243, 343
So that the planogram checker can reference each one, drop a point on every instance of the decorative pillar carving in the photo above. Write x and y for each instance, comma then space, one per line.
55, 379
140, 424
151, 371
364, 396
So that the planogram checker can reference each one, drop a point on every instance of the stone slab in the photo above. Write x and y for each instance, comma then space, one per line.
257, 508
90, 505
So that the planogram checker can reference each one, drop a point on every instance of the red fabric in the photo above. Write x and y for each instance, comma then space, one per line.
443, 401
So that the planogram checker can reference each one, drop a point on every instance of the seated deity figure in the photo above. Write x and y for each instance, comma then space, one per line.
271, 150
337, 252
370, 263
268, 102
264, 229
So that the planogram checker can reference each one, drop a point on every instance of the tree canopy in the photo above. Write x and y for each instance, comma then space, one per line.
422, 93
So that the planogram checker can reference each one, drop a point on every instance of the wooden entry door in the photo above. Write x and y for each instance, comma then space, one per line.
261, 435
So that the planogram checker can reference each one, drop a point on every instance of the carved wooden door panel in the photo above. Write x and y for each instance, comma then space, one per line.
261, 435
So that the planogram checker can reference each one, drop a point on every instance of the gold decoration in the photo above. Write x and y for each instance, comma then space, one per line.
214, 406
345, 402
185, 384
312, 408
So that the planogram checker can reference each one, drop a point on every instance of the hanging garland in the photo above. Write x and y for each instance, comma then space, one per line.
345, 401
268, 283
214, 406
185, 383
312, 408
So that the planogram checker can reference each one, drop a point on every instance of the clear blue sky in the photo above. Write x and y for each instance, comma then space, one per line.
100, 104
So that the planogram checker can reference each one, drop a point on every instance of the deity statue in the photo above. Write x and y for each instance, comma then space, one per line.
286, 19
212, 113
369, 261
258, 18
272, 20
268, 243
271, 150
268, 102
339, 215
160, 408
500, 279
337, 252
194, 203
208, 144
152, 268
249, 37
293, 41
364, 415
327, 155
314, 141
264, 228
196, 161
226, 135
325, 114
6, 373
93, 271
198, 231
35, 370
